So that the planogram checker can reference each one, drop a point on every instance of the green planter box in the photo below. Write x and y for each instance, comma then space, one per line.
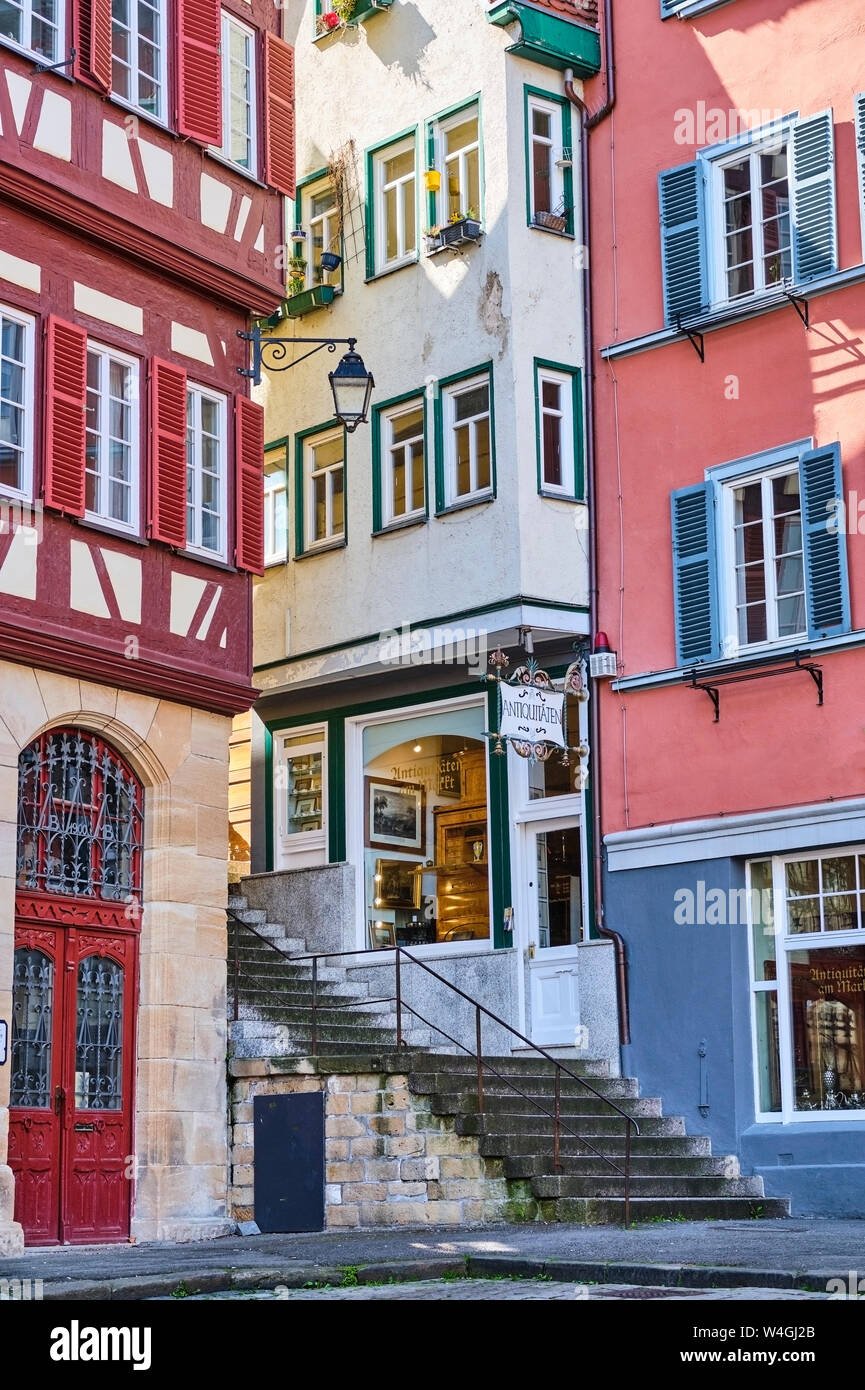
366, 10
304, 303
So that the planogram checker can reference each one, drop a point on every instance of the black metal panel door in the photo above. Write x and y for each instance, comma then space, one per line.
289, 1162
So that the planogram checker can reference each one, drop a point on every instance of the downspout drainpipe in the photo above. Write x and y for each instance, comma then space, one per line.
589, 122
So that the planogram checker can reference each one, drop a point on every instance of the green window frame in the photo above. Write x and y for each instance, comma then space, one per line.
383, 517
558, 143
376, 263
276, 518
449, 389
568, 411
309, 187
303, 443
435, 130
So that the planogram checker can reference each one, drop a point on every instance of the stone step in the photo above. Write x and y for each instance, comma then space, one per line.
507, 1105
607, 1211
671, 1185
255, 952
587, 1126
541, 1088
539, 1164
515, 1066
329, 999
287, 1044
527, 1146
237, 902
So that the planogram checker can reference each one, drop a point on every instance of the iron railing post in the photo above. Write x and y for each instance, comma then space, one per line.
627, 1173
398, 1000
479, 1045
314, 1005
557, 1116
236, 975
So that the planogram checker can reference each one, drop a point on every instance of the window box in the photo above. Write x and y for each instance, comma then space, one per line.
459, 233
307, 300
333, 15
551, 221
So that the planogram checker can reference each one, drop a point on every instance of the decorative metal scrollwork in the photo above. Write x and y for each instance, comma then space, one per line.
32, 1020
99, 1034
80, 818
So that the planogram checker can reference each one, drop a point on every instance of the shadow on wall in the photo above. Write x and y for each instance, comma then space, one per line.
402, 46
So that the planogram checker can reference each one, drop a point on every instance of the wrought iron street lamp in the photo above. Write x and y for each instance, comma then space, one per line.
352, 385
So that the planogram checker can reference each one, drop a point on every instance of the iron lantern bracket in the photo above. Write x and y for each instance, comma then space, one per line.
278, 359
695, 338
800, 304
713, 680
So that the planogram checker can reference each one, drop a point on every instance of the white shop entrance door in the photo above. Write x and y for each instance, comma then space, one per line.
553, 860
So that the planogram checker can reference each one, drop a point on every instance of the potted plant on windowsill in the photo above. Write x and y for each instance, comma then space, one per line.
462, 228
301, 299
346, 14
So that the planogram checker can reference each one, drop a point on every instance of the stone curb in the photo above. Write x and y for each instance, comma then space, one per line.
297, 1276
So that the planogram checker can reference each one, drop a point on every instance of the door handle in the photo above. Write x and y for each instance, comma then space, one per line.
531, 950
59, 1099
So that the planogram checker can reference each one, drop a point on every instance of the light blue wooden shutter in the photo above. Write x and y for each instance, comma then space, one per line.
859, 103
825, 545
695, 574
669, 7
815, 233
683, 256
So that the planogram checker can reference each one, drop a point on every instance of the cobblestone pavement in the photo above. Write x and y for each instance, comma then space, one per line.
534, 1290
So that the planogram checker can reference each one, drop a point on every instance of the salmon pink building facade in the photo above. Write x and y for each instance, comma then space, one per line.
730, 463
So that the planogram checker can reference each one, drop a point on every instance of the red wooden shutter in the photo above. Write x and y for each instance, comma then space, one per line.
167, 453
65, 402
249, 484
279, 115
93, 46
199, 71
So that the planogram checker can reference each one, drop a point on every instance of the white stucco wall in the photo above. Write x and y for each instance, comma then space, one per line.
515, 296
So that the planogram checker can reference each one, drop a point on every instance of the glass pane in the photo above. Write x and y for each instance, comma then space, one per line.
466, 133
553, 777
762, 920
319, 507
473, 402
426, 874
305, 790
803, 909
391, 234
552, 450
32, 1027
11, 22
464, 482
558, 888
802, 878
482, 452
337, 503
408, 217
399, 483
418, 495
768, 1053
328, 453
551, 395
839, 873
407, 426
827, 998
99, 1034
542, 177
542, 123
398, 166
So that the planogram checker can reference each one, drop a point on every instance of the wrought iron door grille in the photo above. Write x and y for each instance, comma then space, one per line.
32, 1008
99, 1034
80, 818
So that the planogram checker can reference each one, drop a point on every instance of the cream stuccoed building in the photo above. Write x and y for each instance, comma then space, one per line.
439, 176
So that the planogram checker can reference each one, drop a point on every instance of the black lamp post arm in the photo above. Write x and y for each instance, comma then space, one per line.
277, 349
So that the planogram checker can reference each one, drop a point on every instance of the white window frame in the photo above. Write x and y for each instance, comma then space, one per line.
440, 128
59, 26
557, 172
193, 542
161, 115
309, 845
728, 551
28, 323
388, 416
409, 254
107, 355
784, 943
325, 218
331, 537
566, 382
450, 394
228, 23
717, 231
275, 482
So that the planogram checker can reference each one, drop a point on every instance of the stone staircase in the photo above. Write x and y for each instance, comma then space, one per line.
673, 1175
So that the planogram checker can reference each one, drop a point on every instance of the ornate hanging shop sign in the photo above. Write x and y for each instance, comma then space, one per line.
532, 714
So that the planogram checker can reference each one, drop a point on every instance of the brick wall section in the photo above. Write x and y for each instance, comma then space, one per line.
389, 1160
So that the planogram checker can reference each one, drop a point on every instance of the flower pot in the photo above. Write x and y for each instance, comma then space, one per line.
458, 233
552, 221
330, 260
432, 180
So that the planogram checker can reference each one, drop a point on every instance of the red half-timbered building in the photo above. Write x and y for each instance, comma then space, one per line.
146, 151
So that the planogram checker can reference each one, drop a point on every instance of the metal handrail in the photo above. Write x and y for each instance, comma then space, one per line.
480, 1010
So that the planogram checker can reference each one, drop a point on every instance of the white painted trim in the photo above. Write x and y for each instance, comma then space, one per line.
567, 431
380, 263
306, 842
195, 547
450, 396
107, 355
386, 419
753, 834
227, 21
28, 323
556, 112
28, 15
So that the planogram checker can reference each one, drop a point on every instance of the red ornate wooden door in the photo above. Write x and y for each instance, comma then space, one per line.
74, 990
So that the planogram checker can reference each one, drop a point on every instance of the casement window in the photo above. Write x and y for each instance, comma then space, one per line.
549, 175
320, 487
111, 454
399, 452
239, 97
36, 25
138, 54
323, 232
685, 9
807, 951
558, 405
393, 173
466, 434
747, 218
16, 404
275, 512
206, 472
300, 797
759, 558
455, 152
